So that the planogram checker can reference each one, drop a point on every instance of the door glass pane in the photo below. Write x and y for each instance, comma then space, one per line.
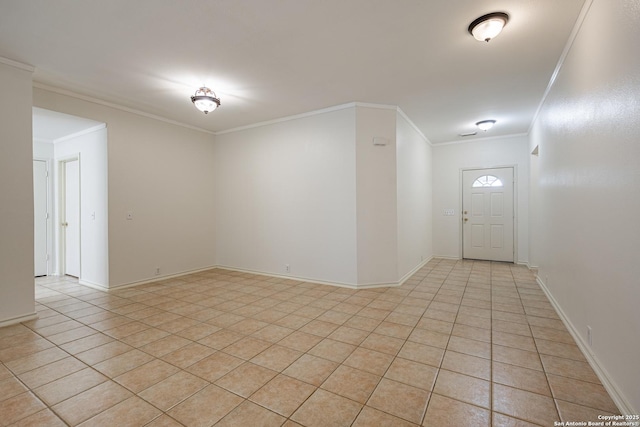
487, 181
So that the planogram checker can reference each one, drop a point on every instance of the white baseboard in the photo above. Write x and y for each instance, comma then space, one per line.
454, 258
18, 319
280, 276
614, 391
157, 278
241, 270
338, 284
93, 285
413, 271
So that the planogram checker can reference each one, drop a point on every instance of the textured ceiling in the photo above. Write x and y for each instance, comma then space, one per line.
268, 59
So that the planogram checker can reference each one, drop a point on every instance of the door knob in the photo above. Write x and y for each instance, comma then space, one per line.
466, 219
65, 224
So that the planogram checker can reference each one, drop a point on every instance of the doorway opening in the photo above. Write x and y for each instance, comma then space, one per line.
70, 243
76, 236
488, 214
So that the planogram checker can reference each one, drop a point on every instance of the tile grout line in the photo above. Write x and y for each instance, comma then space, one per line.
491, 383
544, 370
229, 282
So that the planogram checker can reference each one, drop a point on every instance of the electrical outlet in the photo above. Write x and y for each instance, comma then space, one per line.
589, 336
157, 271
287, 268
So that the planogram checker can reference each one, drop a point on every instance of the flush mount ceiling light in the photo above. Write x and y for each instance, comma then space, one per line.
485, 125
205, 100
488, 26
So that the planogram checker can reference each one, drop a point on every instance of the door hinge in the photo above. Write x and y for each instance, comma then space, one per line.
47, 215
47, 257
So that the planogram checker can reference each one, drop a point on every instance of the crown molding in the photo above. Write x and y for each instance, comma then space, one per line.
483, 139
572, 38
16, 64
104, 103
329, 110
414, 126
340, 107
288, 118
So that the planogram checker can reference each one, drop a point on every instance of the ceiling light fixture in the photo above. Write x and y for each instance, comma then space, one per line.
488, 26
205, 100
485, 125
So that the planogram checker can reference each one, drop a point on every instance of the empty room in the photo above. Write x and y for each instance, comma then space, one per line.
319, 213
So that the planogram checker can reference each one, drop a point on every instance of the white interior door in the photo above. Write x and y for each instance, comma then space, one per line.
487, 214
71, 218
40, 217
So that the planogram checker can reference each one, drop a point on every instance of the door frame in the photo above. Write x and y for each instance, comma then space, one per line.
62, 258
49, 202
515, 207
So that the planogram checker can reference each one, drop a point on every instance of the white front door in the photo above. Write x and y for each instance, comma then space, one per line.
40, 217
487, 214
71, 218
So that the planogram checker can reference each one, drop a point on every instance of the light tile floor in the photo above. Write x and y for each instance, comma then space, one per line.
461, 343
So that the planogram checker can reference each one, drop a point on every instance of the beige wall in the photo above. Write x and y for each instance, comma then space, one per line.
163, 174
588, 193
16, 192
285, 194
314, 192
414, 164
376, 196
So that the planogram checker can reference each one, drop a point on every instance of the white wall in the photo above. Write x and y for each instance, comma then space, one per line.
91, 148
285, 194
376, 196
161, 172
414, 205
314, 192
448, 160
16, 193
589, 191
534, 205
43, 150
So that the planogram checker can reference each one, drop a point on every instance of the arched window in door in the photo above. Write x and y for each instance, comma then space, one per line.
487, 181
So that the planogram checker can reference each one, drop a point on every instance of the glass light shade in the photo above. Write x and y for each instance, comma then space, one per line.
205, 105
205, 100
486, 124
488, 26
